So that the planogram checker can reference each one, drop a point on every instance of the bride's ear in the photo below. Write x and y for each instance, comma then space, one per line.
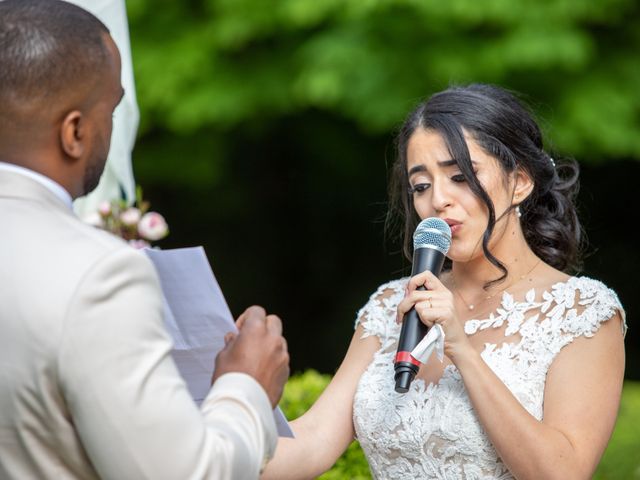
522, 186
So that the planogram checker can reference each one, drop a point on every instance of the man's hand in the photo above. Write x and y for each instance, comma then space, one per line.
259, 349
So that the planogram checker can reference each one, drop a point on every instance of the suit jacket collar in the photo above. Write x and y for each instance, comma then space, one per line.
15, 185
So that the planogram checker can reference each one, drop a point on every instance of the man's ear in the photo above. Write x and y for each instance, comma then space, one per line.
523, 185
72, 134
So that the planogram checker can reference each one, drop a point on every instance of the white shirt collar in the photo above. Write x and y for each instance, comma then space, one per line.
52, 186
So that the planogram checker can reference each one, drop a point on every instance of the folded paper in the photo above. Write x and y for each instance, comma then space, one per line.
197, 318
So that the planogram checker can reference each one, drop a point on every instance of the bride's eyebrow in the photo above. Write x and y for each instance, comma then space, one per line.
422, 168
453, 163
447, 163
443, 164
416, 169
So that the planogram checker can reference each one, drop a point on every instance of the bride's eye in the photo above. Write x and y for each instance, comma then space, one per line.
458, 178
418, 188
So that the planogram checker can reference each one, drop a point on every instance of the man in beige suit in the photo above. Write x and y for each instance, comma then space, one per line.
87, 385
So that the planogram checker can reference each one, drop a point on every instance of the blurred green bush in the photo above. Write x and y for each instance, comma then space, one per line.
620, 460
299, 394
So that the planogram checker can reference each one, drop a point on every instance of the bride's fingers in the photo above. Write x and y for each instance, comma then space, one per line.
416, 281
431, 315
411, 300
425, 313
426, 302
420, 296
432, 282
424, 279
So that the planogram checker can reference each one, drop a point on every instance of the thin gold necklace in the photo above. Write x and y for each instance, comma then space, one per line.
471, 306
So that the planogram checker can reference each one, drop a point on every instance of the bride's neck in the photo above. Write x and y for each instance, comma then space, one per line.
517, 257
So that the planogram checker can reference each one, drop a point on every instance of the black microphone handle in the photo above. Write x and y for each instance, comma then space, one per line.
413, 330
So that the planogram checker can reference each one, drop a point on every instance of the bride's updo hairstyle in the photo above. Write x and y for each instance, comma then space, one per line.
505, 129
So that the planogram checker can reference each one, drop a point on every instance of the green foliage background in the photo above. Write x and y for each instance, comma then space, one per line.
620, 460
221, 63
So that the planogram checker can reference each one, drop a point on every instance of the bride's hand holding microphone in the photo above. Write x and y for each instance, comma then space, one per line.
436, 305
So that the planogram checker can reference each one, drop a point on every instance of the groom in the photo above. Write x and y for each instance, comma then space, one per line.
87, 385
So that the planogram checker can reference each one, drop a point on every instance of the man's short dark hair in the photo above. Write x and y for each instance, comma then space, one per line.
47, 47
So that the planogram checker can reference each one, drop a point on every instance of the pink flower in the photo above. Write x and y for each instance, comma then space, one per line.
131, 223
104, 208
139, 244
153, 226
94, 219
130, 217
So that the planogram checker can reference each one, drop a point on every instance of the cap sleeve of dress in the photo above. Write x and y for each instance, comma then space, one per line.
378, 316
595, 304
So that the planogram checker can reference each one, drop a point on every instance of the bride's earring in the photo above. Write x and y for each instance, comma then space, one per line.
518, 212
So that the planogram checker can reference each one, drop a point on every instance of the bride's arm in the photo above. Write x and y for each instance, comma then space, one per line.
581, 399
324, 432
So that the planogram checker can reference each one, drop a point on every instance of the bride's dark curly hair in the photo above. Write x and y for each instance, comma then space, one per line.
506, 130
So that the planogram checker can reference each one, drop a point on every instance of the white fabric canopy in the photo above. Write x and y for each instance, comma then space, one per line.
117, 178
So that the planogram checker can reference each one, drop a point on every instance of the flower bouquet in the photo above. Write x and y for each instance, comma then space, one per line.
135, 224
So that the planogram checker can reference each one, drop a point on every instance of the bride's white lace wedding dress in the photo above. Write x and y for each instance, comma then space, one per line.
432, 430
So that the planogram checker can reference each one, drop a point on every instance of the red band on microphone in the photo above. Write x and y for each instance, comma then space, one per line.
406, 357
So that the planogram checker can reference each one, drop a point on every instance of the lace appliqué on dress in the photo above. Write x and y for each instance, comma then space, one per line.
432, 430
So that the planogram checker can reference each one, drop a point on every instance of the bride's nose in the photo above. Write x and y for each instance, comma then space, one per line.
441, 196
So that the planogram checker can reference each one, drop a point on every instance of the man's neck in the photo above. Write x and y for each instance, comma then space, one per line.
51, 185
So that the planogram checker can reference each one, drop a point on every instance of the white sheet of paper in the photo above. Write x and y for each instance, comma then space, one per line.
197, 317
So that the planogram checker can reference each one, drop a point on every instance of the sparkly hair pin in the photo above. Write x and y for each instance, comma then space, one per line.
552, 160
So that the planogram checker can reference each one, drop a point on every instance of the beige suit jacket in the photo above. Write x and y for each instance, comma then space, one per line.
87, 384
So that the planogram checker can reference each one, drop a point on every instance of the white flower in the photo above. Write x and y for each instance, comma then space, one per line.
130, 217
93, 219
153, 226
104, 208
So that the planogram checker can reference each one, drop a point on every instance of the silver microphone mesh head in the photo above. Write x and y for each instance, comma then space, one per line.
432, 232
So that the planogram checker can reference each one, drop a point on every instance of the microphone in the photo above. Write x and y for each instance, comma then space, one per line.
431, 242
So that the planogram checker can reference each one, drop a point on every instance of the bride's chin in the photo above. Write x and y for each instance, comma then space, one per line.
460, 255
455, 257
456, 250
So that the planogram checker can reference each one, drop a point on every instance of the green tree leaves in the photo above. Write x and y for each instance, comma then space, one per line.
219, 63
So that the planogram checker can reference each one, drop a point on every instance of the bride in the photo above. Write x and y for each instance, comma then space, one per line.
534, 357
